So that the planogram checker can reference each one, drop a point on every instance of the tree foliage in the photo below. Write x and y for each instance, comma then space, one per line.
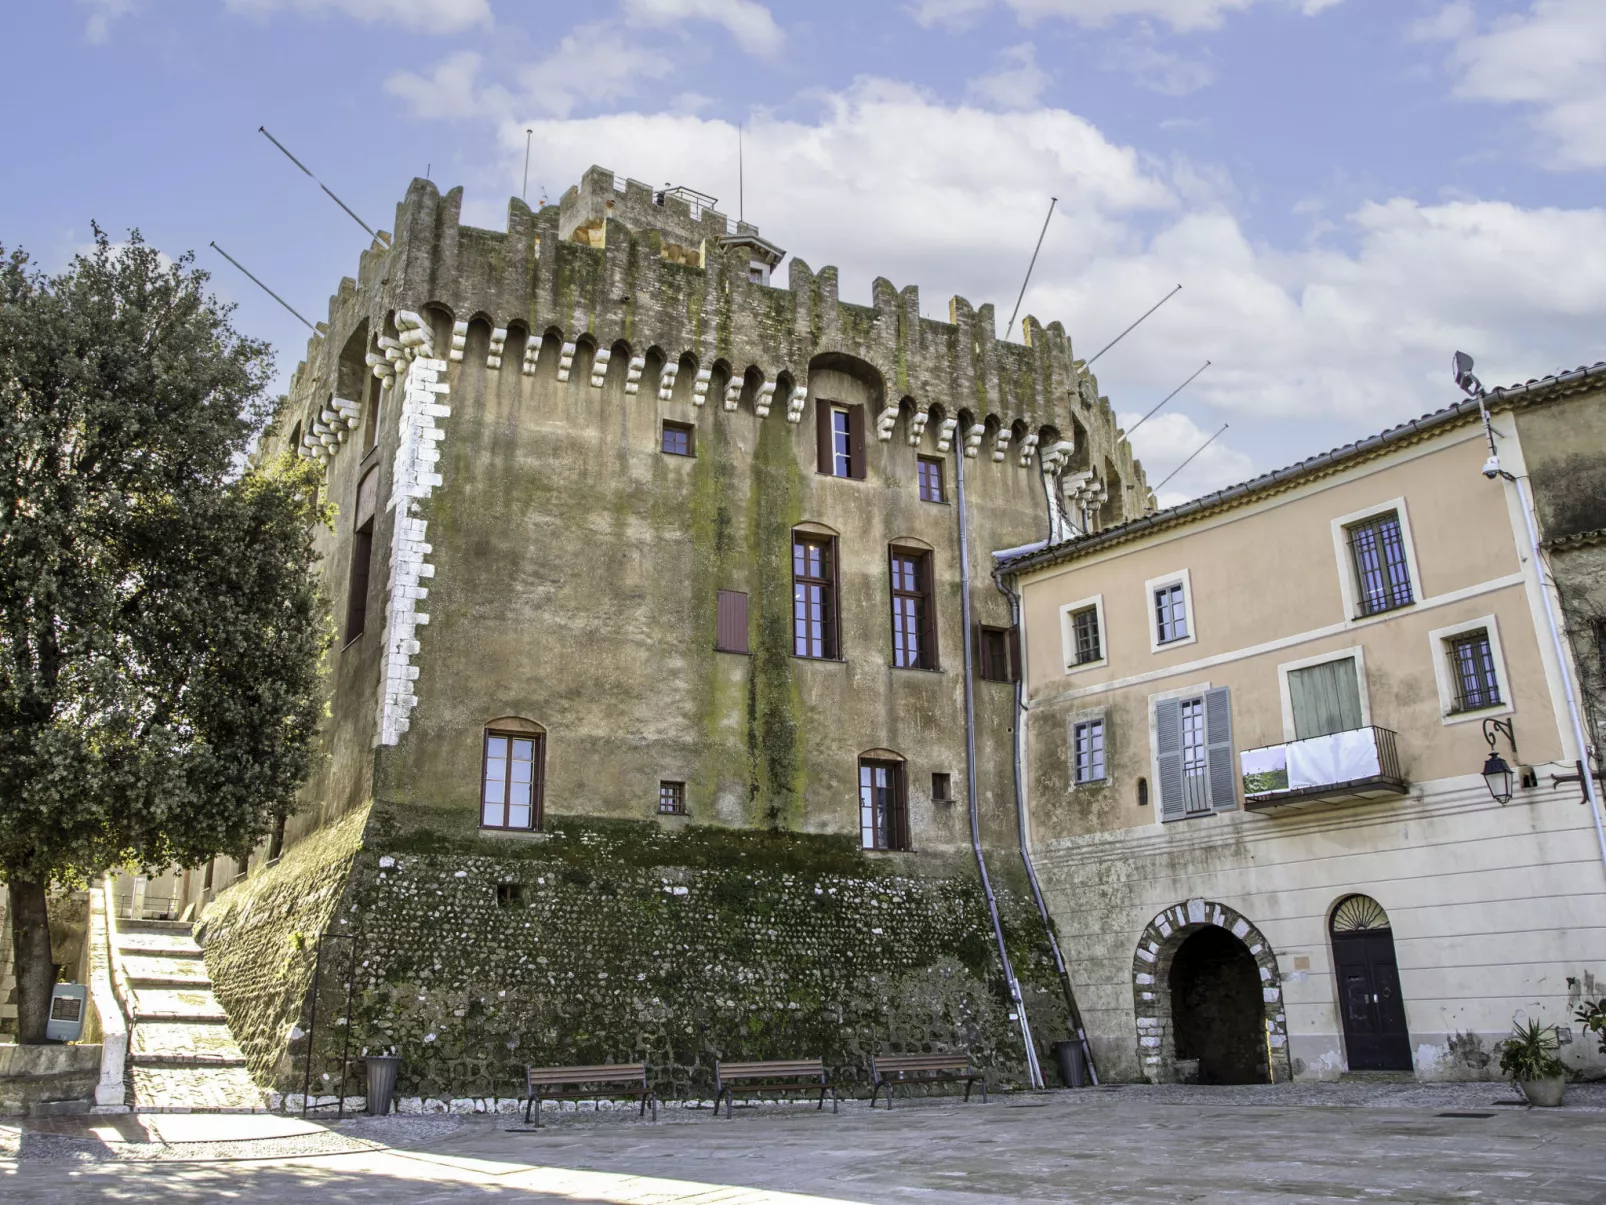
160, 629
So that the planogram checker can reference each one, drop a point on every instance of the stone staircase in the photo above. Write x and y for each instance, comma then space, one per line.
182, 1057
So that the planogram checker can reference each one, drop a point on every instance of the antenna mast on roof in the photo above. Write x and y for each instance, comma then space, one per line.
263, 287
1189, 461
525, 191
1052, 201
741, 179
263, 130
1167, 398
1134, 326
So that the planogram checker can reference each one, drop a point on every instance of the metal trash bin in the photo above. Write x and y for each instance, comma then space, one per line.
382, 1070
1073, 1063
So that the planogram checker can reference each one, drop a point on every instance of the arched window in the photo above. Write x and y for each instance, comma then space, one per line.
512, 774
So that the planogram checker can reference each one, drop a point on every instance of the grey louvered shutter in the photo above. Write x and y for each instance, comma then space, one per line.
1219, 765
1168, 752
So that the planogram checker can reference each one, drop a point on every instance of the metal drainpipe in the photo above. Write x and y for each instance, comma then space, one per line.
1025, 847
1033, 1069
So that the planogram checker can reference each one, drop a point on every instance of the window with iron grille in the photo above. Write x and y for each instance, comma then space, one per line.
672, 799
814, 596
1382, 579
1170, 613
1087, 751
1195, 762
1472, 671
1085, 628
510, 795
883, 822
930, 469
679, 439
913, 642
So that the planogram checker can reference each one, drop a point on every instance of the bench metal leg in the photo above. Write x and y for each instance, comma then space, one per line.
833, 1100
655, 1106
536, 1101
969, 1083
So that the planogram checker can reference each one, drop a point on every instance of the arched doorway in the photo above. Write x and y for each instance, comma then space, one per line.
1217, 1015
1368, 978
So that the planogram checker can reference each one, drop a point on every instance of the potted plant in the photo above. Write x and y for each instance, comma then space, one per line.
1593, 1017
1528, 1056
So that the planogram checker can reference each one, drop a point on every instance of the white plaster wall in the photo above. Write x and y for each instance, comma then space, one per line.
1494, 910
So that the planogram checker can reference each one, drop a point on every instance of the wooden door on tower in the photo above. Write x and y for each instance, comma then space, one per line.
1375, 1033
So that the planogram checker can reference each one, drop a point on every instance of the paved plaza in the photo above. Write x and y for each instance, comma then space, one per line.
1247, 1145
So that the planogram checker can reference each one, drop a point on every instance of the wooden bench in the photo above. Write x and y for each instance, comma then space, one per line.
587, 1083
778, 1075
889, 1069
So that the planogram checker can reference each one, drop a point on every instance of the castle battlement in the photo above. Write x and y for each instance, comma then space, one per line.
664, 290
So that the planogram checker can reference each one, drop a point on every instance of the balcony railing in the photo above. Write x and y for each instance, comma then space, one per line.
1359, 764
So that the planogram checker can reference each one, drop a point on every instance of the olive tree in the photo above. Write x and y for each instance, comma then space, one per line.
160, 627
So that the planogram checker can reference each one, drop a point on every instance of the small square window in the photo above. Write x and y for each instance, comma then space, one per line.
1170, 613
671, 799
509, 895
942, 788
998, 654
1087, 754
930, 469
680, 439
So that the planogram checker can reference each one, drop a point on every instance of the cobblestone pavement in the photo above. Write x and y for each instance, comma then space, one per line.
1252, 1146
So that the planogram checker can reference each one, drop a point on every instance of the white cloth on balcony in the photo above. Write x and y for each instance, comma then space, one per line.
1339, 757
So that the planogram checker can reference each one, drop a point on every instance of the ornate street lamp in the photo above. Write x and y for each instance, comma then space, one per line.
1497, 775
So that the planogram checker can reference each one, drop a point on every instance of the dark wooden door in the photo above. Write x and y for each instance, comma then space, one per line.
1369, 996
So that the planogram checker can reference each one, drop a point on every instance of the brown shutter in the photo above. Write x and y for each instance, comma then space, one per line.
822, 435
928, 637
979, 645
833, 638
856, 441
1014, 674
730, 627
898, 830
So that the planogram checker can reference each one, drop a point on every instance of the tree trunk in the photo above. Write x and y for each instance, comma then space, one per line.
30, 958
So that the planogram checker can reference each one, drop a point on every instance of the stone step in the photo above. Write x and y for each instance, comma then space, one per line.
154, 926
161, 945
150, 970
196, 1090
177, 1004
157, 1040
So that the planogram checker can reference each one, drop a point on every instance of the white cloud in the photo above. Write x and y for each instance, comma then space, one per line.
451, 90
1167, 440
102, 14
1551, 59
434, 16
748, 22
1354, 339
1017, 84
1179, 14
1161, 71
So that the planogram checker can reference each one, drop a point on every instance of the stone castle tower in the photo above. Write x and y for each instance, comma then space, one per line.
657, 639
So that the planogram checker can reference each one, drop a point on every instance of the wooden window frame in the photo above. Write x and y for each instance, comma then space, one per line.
988, 668
1377, 549
674, 793
1094, 768
1485, 694
537, 779
1089, 644
895, 832
1159, 641
359, 575
942, 787
686, 429
935, 465
826, 444
830, 635
920, 601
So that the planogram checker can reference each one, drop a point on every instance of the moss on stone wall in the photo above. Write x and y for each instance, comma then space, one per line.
623, 941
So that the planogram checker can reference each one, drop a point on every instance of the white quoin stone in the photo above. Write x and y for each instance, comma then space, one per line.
1240, 927
599, 366
493, 355
699, 389
1196, 912
459, 342
945, 434
565, 360
794, 405
532, 355
666, 383
764, 400
633, 374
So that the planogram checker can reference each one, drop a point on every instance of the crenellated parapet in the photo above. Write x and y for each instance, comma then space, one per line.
671, 296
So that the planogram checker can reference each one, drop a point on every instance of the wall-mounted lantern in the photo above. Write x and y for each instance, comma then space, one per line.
1499, 777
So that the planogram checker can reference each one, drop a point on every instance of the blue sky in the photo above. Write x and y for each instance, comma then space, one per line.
1348, 190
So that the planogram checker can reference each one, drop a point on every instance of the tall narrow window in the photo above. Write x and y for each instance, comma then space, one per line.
840, 434
914, 644
1170, 613
1085, 628
1195, 760
930, 470
511, 782
1087, 751
1382, 579
1193, 752
883, 819
371, 415
814, 596
362, 555
997, 654
1472, 671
